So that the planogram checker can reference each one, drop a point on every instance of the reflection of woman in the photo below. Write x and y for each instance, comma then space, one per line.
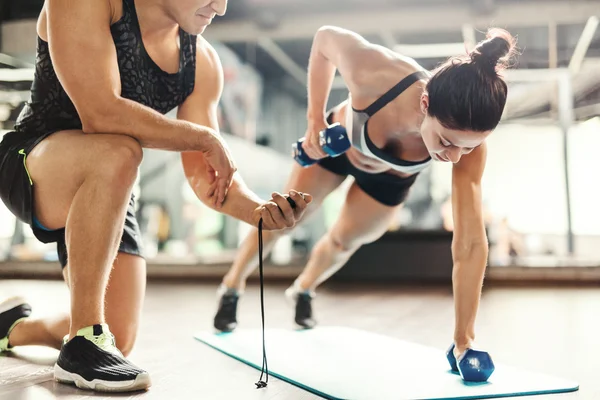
164, 227
508, 244
413, 117
446, 211
448, 218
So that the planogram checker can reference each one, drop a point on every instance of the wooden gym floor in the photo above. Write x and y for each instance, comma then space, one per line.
553, 330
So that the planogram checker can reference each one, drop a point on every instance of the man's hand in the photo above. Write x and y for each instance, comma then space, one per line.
278, 212
220, 168
311, 145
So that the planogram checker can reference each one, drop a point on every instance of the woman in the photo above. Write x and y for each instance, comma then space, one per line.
445, 116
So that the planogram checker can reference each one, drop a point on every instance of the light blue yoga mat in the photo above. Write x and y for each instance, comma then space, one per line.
350, 364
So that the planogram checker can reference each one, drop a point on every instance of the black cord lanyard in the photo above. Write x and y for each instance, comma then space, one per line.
265, 369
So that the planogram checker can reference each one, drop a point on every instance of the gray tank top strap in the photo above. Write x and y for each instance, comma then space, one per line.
357, 120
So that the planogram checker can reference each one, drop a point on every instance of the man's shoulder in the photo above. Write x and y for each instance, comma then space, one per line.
206, 53
209, 71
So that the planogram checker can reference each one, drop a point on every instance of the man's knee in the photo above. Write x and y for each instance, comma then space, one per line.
120, 160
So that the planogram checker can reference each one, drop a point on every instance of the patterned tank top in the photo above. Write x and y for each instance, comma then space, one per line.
50, 108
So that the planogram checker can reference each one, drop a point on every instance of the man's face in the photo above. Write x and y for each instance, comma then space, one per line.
193, 16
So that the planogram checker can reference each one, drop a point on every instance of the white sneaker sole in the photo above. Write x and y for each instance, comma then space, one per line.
141, 382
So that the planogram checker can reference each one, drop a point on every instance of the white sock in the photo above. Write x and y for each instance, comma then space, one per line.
224, 289
296, 289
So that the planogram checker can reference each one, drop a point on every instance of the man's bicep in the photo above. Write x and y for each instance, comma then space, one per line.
202, 106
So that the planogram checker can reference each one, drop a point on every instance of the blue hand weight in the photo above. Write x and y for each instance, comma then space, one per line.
300, 156
473, 365
451, 358
333, 140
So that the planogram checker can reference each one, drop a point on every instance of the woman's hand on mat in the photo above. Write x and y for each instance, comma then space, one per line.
311, 144
460, 348
282, 211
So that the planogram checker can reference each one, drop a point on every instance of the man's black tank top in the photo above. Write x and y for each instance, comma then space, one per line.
142, 81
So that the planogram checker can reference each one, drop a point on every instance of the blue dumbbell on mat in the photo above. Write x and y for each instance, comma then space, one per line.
473, 365
333, 140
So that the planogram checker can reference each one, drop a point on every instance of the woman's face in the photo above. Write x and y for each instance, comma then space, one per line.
445, 144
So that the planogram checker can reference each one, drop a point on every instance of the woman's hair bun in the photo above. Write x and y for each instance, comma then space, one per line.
495, 51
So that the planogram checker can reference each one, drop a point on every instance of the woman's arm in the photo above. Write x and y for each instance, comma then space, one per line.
360, 63
469, 245
332, 48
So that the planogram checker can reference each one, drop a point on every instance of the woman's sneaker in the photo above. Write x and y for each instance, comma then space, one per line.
302, 301
226, 317
92, 361
12, 311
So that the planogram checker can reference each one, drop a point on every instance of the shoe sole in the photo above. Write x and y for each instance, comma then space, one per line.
141, 382
11, 303
225, 330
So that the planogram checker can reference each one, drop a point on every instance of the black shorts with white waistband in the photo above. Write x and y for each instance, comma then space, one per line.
388, 189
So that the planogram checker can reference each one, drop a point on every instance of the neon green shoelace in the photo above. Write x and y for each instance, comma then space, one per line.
106, 340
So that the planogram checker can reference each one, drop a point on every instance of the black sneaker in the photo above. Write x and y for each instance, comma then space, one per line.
92, 361
226, 317
12, 311
303, 301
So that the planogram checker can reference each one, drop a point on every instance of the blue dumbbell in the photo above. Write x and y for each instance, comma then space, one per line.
333, 140
473, 365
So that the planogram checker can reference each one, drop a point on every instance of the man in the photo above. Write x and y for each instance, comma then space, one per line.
106, 73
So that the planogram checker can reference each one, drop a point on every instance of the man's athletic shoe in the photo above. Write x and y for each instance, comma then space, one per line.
12, 311
91, 360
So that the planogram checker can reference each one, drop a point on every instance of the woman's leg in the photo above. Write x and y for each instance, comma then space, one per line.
361, 221
315, 180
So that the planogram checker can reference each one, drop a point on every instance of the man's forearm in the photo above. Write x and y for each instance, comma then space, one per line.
467, 277
149, 127
240, 202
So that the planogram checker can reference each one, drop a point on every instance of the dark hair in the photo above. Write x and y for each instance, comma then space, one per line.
467, 93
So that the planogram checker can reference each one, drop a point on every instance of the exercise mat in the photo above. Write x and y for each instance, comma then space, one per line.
350, 364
